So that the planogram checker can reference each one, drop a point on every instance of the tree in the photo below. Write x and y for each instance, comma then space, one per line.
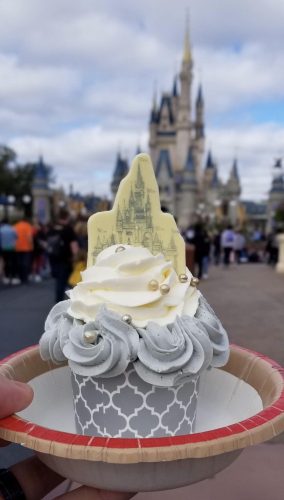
7, 160
279, 216
16, 179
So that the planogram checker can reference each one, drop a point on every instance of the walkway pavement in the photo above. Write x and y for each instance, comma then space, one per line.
249, 300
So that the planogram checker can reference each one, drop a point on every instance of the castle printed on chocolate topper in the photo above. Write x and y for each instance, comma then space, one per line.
136, 218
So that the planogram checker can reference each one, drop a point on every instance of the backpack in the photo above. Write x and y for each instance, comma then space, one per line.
55, 244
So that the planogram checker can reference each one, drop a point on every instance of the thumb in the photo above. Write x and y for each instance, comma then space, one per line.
14, 396
87, 493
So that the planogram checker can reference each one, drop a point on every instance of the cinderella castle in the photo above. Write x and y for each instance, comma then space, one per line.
188, 188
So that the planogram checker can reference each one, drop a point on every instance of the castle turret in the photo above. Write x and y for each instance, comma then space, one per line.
184, 112
188, 191
41, 193
209, 170
153, 125
199, 114
184, 122
276, 193
213, 191
120, 171
165, 179
175, 97
233, 191
233, 184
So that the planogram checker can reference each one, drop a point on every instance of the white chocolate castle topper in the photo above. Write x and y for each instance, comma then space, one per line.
136, 218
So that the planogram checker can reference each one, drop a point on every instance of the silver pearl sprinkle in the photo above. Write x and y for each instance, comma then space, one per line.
194, 282
127, 318
164, 289
153, 285
90, 337
183, 278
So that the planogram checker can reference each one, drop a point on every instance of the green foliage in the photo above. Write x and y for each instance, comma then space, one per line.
7, 159
16, 179
279, 214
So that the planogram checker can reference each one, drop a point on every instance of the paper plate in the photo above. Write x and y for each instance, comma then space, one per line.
240, 405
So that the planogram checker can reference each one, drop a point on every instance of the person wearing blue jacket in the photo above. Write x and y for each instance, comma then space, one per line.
8, 238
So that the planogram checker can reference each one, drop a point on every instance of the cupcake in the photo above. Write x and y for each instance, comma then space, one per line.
136, 332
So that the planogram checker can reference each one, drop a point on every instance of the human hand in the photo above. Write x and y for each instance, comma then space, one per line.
35, 479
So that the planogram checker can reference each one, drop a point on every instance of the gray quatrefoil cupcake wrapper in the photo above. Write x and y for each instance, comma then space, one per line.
164, 356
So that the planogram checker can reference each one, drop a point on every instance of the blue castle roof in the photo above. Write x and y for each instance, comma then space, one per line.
209, 161
164, 162
121, 167
277, 184
189, 164
41, 174
199, 99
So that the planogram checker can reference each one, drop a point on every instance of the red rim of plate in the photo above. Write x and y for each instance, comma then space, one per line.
17, 424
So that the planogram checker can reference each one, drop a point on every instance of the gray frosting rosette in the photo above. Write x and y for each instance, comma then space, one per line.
164, 356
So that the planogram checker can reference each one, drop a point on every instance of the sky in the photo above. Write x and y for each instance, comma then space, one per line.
77, 82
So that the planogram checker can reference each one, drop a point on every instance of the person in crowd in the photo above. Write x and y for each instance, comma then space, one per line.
8, 238
227, 244
81, 231
31, 478
272, 248
24, 248
62, 247
80, 261
38, 264
217, 248
189, 234
201, 243
206, 254
239, 246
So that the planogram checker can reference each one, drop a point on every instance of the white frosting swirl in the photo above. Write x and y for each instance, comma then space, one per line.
121, 282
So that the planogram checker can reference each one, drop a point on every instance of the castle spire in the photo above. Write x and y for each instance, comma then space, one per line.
234, 172
175, 91
186, 45
153, 115
154, 106
209, 161
199, 99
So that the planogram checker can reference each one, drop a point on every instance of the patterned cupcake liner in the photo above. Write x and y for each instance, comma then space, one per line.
126, 406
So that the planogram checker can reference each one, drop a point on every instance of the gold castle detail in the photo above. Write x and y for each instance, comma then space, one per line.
136, 218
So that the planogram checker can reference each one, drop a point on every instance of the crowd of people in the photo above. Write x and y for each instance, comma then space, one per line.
229, 246
32, 252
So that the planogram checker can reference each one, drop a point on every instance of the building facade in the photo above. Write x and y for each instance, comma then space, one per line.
276, 195
188, 189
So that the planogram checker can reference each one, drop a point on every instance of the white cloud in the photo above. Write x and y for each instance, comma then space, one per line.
84, 157
24, 86
256, 148
77, 78
233, 79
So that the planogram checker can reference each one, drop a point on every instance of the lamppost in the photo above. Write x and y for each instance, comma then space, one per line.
10, 202
26, 199
233, 215
217, 214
